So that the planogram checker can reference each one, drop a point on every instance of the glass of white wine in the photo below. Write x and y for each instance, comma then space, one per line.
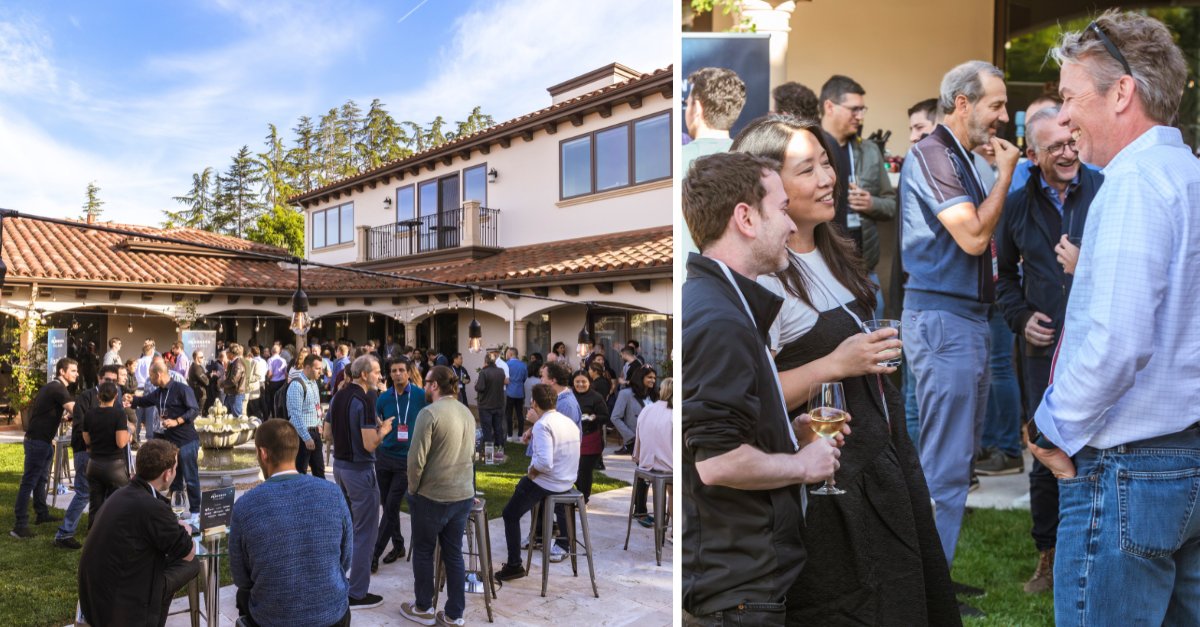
179, 503
827, 414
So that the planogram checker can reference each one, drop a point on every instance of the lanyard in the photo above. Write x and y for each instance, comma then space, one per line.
850, 151
770, 359
407, 403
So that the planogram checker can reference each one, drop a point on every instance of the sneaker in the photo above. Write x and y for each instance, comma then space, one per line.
509, 572
1043, 576
969, 611
646, 521
624, 450
557, 554
999, 463
367, 602
525, 544
411, 612
600, 464
22, 533
395, 554
442, 619
68, 543
974, 485
47, 519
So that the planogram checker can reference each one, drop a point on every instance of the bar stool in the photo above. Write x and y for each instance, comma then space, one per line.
479, 551
573, 500
63, 461
193, 594
660, 482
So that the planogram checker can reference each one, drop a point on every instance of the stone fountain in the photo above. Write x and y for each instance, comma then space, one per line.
220, 433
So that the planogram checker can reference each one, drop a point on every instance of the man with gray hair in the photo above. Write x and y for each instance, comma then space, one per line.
1034, 238
947, 250
355, 431
1118, 423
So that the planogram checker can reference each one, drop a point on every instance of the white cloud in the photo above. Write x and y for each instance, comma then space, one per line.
24, 66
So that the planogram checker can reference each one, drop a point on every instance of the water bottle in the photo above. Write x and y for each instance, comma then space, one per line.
478, 440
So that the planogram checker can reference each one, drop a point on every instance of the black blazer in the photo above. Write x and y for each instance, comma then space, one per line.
131, 542
1030, 277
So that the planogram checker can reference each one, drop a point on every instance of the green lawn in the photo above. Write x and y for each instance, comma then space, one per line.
37, 580
996, 553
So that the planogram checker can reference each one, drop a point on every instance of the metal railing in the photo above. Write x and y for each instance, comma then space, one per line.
432, 232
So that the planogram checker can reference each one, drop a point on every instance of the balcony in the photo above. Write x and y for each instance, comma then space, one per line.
470, 227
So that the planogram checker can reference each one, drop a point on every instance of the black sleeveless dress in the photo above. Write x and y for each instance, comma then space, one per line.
874, 557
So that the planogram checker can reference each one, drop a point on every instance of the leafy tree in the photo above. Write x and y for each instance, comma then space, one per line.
91, 207
280, 226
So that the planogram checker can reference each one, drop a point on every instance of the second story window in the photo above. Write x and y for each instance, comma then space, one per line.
333, 226
406, 203
628, 154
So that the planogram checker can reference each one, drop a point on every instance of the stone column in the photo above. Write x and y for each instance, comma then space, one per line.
410, 334
774, 21
518, 335
470, 224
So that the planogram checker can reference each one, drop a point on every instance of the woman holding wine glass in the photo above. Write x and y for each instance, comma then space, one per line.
873, 551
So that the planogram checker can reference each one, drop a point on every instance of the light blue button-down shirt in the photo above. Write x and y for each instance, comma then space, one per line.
1128, 366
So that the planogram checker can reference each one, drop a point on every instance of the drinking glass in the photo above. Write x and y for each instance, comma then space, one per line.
827, 414
179, 503
892, 355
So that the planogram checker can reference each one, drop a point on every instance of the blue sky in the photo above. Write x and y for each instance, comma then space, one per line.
138, 95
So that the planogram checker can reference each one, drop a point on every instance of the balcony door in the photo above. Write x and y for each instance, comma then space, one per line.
439, 207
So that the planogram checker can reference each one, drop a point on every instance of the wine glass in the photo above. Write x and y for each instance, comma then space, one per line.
179, 503
891, 357
827, 414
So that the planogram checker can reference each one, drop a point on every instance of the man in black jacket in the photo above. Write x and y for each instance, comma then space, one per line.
1036, 249
137, 554
490, 397
177, 410
743, 467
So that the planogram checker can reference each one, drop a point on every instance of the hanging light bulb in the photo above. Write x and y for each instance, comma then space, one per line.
177, 328
130, 329
221, 327
235, 322
371, 318
585, 338
257, 324
474, 331
74, 324
301, 323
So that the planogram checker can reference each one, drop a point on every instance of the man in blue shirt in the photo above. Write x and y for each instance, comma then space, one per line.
272, 559
402, 402
304, 412
514, 393
175, 404
947, 249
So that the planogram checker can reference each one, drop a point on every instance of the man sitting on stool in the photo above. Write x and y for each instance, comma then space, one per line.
137, 554
554, 464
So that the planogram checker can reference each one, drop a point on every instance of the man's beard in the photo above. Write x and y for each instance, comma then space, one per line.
977, 130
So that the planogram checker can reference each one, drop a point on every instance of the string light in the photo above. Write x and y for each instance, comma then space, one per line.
130, 328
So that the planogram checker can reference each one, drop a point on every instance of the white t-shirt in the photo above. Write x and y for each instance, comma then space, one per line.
795, 317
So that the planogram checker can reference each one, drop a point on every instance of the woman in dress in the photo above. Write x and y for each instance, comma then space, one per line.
595, 416
874, 557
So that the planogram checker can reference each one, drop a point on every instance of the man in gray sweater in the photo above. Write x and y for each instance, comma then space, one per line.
441, 490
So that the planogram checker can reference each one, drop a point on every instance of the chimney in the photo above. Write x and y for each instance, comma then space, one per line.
91, 217
606, 76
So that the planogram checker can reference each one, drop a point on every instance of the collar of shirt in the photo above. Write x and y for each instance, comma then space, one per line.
1052, 194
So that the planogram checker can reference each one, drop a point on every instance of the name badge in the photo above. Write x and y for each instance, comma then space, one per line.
402, 433
853, 220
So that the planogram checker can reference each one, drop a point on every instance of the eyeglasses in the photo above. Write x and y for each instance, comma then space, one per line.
1110, 46
854, 110
1057, 149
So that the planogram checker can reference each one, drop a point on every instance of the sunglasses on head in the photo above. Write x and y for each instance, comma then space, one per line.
1110, 46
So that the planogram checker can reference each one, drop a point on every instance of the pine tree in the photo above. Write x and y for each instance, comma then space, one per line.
435, 136
349, 123
91, 207
475, 122
198, 203
327, 148
383, 140
240, 185
275, 171
302, 158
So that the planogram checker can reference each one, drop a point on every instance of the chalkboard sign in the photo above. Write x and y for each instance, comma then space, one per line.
216, 507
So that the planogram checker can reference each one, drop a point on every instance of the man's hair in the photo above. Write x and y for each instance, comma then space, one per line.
837, 87
255, 351
545, 397
558, 373
154, 458
1035, 121
513, 350
928, 107
444, 378
114, 341
965, 79
278, 438
108, 391
1155, 60
399, 359
158, 368
236, 349
361, 365
666, 390
310, 359
64, 364
113, 368
148, 346
721, 94
489, 359
717, 183
795, 99
130, 362
176, 345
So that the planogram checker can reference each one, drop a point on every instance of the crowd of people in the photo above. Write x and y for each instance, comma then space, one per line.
1035, 263
400, 429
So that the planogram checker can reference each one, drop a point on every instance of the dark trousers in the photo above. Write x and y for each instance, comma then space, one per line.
525, 496
269, 404
243, 608
583, 482
189, 473
1043, 487
176, 576
392, 474
491, 420
640, 489
314, 458
39, 457
104, 477
764, 614
444, 524
514, 415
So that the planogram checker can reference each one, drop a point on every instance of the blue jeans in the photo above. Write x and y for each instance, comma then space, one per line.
525, 496
361, 489
1129, 535
949, 354
1002, 426
873, 277
147, 416
233, 403
912, 415
39, 457
435, 523
79, 502
189, 471
492, 423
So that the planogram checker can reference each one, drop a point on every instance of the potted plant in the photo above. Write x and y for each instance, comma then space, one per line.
26, 368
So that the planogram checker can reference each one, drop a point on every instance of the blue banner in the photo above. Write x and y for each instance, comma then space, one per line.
747, 54
200, 340
56, 349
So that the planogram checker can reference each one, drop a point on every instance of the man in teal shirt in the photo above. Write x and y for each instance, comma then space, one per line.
402, 401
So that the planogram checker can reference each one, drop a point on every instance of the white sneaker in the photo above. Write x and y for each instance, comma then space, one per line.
557, 554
